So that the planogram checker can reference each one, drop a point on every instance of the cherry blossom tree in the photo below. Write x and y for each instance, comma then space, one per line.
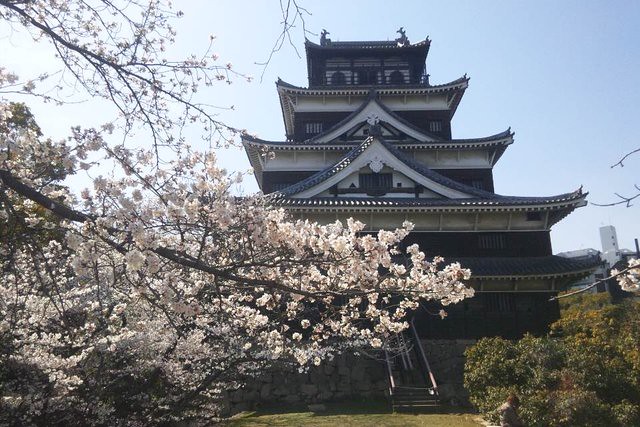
148, 294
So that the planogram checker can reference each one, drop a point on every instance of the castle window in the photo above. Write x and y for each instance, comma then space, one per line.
435, 126
312, 128
492, 241
338, 78
375, 184
396, 78
367, 77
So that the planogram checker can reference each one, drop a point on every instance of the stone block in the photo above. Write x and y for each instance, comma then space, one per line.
344, 370
309, 389
292, 398
325, 396
236, 396
317, 407
328, 368
265, 391
357, 373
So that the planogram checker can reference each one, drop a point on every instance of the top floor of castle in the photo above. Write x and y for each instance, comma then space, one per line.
367, 63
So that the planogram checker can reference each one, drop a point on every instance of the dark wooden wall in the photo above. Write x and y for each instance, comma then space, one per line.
468, 244
275, 180
507, 314
470, 177
421, 119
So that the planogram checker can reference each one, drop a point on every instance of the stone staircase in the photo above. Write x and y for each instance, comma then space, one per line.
412, 386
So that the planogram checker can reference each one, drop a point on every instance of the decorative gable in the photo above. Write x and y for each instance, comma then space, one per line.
376, 169
373, 111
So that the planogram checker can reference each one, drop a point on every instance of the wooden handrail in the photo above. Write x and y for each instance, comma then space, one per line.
424, 357
391, 380
405, 351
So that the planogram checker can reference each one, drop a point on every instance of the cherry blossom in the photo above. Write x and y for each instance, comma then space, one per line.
155, 290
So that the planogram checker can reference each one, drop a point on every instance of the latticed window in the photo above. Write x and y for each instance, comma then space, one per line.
338, 78
376, 184
435, 126
396, 78
312, 128
492, 241
367, 77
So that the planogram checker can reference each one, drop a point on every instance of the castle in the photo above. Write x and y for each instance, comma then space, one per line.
371, 138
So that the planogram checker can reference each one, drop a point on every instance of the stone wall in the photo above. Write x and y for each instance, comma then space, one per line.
446, 358
350, 377
345, 377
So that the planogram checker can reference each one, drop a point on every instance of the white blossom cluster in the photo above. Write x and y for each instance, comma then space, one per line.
149, 295
171, 275
629, 278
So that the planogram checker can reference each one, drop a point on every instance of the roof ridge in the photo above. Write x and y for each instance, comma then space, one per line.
461, 79
439, 143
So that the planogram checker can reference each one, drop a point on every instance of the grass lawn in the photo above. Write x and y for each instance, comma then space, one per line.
375, 414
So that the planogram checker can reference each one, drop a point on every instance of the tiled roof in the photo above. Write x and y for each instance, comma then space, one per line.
406, 202
325, 174
458, 83
478, 198
545, 266
374, 44
501, 138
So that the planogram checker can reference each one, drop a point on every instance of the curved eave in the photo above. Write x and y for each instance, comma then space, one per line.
288, 94
527, 268
507, 204
500, 139
254, 153
459, 84
576, 274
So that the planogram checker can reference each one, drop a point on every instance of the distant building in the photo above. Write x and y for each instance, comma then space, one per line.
611, 257
609, 241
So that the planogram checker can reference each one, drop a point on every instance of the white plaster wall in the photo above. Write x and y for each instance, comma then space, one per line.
302, 160
448, 159
351, 179
494, 221
315, 103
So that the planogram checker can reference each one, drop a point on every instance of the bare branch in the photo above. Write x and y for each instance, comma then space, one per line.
624, 200
289, 18
625, 157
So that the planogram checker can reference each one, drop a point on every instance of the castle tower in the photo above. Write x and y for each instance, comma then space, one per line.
370, 138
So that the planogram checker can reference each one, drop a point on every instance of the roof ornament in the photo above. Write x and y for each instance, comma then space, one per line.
374, 128
373, 119
403, 40
376, 164
324, 40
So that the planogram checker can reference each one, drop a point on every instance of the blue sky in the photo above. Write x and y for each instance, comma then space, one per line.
563, 75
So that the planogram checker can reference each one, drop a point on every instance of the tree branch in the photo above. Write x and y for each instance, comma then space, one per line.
594, 284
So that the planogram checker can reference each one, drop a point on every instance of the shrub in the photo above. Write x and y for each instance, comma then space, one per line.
586, 374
